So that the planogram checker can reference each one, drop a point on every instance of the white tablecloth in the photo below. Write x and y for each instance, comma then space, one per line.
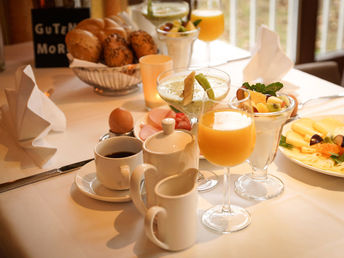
53, 218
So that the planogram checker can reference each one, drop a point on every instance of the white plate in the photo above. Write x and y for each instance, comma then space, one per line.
285, 153
88, 184
137, 127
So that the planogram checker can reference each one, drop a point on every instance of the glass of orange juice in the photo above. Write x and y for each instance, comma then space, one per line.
226, 137
212, 21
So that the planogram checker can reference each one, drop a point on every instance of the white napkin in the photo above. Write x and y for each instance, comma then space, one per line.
268, 63
30, 115
75, 62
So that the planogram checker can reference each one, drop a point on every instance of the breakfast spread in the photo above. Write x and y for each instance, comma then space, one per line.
110, 40
316, 142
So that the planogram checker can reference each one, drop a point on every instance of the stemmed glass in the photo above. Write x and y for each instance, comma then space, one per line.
212, 24
259, 185
170, 88
226, 137
158, 12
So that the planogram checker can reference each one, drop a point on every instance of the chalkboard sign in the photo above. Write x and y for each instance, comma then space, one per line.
50, 26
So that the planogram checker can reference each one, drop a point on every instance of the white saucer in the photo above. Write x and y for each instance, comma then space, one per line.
87, 182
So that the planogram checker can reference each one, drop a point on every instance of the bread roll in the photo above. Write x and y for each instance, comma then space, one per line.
116, 51
142, 43
102, 27
83, 45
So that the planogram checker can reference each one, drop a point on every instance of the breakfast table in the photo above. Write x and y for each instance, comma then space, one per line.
53, 218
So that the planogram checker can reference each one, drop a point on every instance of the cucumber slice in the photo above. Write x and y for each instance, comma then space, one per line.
203, 81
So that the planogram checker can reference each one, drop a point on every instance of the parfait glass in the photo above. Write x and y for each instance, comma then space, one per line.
212, 22
259, 185
170, 87
158, 12
226, 137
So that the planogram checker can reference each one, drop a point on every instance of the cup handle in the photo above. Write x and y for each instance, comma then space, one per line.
135, 186
125, 172
149, 223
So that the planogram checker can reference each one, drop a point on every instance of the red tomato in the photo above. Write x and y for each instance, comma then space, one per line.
182, 121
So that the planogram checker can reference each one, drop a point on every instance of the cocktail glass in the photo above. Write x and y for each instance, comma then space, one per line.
170, 88
226, 137
259, 185
178, 45
158, 12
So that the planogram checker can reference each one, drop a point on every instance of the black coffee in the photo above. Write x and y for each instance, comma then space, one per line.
120, 154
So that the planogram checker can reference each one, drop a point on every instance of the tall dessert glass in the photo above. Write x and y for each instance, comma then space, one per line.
226, 137
158, 12
178, 45
259, 185
170, 88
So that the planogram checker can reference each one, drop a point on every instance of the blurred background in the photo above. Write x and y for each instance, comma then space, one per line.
311, 31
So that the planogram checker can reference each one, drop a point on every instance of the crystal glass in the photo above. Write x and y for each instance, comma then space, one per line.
170, 88
158, 12
259, 185
177, 45
226, 137
212, 24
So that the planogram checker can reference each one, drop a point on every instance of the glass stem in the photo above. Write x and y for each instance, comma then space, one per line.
208, 54
226, 193
259, 174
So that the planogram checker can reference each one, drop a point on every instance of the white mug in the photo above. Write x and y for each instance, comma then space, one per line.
176, 208
115, 159
165, 153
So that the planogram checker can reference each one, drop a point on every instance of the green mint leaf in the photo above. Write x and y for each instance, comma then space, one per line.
197, 22
284, 143
260, 87
337, 159
272, 88
247, 86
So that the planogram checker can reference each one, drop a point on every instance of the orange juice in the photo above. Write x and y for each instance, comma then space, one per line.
226, 137
212, 24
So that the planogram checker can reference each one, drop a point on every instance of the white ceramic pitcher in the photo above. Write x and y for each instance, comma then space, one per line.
176, 208
165, 153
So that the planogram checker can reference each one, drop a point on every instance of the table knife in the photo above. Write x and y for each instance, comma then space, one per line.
41, 176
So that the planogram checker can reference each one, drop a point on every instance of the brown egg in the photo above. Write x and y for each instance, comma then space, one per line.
296, 105
121, 121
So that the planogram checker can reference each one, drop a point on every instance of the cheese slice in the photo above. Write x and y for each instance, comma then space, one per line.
327, 125
296, 139
304, 126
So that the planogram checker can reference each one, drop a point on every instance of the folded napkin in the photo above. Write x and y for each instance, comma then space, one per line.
30, 115
268, 63
75, 62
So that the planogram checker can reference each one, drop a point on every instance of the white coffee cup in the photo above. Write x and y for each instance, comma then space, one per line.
114, 172
176, 207
165, 153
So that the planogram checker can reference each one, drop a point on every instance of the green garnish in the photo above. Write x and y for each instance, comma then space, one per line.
197, 22
328, 140
283, 143
203, 81
270, 89
181, 28
337, 159
149, 8
174, 109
